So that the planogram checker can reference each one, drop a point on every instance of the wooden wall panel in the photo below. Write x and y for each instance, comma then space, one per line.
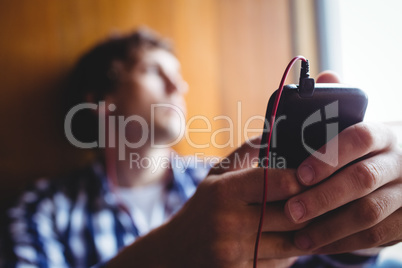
231, 50
196, 39
255, 46
304, 32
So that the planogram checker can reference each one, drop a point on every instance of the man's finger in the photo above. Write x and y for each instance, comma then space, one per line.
353, 143
276, 220
385, 232
243, 157
350, 219
274, 245
351, 183
246, 185
244, 219
328, 77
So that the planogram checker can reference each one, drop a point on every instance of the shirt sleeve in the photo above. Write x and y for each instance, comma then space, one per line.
30, 237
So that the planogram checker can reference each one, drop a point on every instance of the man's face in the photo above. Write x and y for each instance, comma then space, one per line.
154, 79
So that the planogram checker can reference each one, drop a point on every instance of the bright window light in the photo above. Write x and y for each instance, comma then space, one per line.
371, 54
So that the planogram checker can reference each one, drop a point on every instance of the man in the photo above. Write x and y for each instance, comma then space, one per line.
118, 214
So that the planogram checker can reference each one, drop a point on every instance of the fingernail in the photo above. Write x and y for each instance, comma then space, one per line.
306, 174
297, 210
304, 242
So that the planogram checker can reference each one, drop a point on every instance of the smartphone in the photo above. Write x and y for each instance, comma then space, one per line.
304, 124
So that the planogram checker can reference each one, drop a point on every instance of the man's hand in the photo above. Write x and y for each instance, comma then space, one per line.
217, 227
363, 193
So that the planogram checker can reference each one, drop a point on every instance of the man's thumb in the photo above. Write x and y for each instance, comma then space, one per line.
245, 156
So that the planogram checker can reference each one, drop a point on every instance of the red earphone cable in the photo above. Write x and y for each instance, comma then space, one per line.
265, 191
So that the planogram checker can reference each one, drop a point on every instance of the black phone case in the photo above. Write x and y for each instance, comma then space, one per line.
316, 119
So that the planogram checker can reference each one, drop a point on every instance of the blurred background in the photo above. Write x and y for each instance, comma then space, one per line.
233, 53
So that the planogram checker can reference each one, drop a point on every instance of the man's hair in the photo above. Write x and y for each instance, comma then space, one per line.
93, 75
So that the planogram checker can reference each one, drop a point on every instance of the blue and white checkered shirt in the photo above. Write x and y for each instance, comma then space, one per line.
77, 221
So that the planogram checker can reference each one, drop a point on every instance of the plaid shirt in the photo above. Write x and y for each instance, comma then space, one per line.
76, 221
